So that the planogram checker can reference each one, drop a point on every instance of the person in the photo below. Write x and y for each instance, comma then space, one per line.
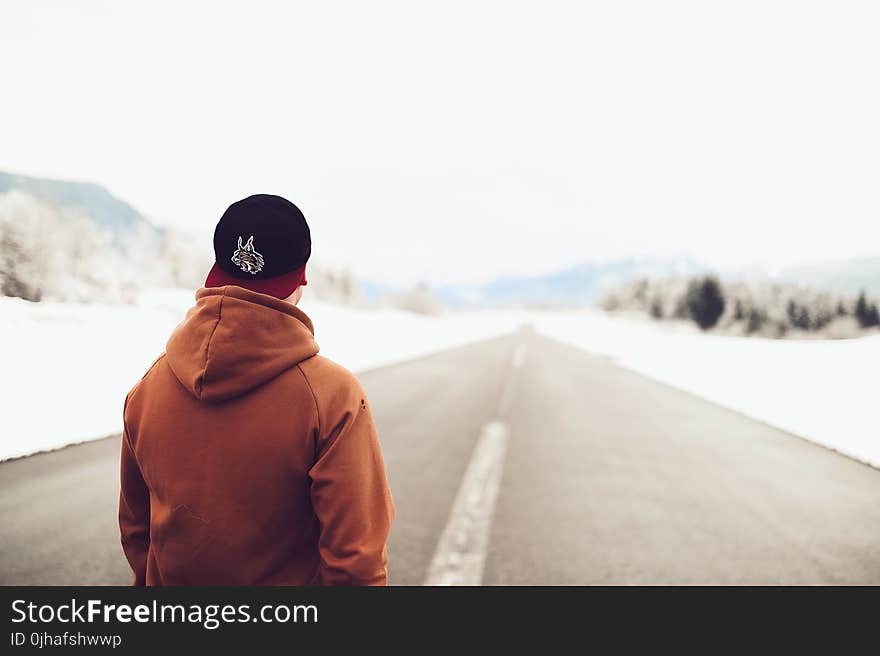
247, 458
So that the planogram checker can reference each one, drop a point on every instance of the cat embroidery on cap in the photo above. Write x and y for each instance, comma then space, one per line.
247, 258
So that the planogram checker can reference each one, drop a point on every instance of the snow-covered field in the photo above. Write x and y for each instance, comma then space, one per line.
67, 367
824, 390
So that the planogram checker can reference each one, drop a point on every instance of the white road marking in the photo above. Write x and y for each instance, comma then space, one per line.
516, 361
461, 552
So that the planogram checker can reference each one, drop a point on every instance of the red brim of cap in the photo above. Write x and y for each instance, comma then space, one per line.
279, 286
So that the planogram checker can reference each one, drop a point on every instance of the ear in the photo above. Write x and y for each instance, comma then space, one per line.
239, 244
249, 246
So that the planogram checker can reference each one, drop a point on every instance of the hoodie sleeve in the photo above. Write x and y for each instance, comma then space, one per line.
350, 492
134, 513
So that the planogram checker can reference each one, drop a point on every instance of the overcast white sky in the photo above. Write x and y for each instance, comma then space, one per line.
456, 141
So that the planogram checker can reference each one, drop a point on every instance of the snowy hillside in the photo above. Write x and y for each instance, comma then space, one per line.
88, 199
78, 252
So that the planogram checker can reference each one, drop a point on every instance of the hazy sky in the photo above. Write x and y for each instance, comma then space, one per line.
454, 141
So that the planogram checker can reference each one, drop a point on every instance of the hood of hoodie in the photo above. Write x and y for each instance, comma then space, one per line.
234, 340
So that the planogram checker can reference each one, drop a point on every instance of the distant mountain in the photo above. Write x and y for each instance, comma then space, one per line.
95, 201
373, 292
843, 276
577, 286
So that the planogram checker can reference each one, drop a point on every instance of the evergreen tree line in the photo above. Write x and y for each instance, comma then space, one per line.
750, 308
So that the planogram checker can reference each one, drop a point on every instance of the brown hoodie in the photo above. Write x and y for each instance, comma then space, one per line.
247, 459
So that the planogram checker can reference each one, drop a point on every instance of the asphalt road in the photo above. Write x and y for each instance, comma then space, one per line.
606, 477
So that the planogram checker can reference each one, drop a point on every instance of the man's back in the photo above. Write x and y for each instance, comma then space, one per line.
249, 459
